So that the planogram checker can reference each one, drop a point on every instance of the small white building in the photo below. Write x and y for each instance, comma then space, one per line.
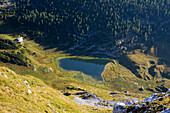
20, 40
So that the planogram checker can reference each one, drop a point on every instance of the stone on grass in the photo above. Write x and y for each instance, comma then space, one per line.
29, 91
141, 89
127, 92
113, 93
168, 91
5, 75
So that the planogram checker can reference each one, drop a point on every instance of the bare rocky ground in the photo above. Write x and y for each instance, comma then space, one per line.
92, 100
158, 102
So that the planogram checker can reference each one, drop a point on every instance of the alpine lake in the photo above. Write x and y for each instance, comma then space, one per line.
93, 67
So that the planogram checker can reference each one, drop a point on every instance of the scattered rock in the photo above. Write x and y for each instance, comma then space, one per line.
45, 71
131, 102
168, 91
13, 72
80, 93
167, 95
91, 95
93, 100
34, 68
151, 98
136, 83
67, 94
5, 75
152, 62
166, 111
112, 93
8, 89
141, 89
51, 69
49, 105
96, 109
45, 111
136, 106
29, 91
151, 104
2, 73
27, 83
126, 92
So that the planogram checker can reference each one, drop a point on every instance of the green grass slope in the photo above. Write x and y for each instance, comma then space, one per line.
121, 78
29, 94
15, 95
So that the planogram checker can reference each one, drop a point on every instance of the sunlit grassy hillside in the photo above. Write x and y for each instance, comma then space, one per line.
29, 94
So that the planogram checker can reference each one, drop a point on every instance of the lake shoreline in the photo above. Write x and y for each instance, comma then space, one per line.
86, 59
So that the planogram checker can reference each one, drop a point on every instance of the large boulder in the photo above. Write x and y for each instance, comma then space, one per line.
141, 89
119, 108
126, 92
29, 91
168, 91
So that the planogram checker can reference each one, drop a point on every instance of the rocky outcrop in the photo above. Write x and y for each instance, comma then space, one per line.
93, 100
119, 108
158, 102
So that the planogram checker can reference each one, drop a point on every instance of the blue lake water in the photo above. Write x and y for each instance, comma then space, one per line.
93, 67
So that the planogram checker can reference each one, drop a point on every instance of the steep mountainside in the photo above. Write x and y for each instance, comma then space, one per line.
101, 28
133, 35
28, 94
128, 31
